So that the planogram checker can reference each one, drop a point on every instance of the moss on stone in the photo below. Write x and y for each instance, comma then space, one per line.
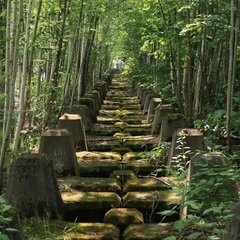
90, 200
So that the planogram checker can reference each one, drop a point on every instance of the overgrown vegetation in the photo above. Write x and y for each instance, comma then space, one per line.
6, 219
207, 197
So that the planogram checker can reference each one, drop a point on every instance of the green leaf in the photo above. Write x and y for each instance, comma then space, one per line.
5, 208
180, 225
170, 238
195, 235
193, 204
3, 236
167, 212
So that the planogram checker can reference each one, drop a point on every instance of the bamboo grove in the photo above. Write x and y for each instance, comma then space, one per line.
53, 51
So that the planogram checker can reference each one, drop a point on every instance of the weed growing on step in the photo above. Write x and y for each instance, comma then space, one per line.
181, 160
158, 158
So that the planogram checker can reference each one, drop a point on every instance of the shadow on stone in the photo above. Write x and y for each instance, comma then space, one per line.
73, 123
58, 145
32, 187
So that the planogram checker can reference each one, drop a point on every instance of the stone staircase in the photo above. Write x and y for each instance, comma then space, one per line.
104, 188
115, 197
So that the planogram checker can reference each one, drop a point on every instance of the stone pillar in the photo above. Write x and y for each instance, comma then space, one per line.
154, 102
192, 141
85, 115
73, 123
58, 145
32, 187
170, 123
89, 103
161, 111
96, 104
148, 98
143, 96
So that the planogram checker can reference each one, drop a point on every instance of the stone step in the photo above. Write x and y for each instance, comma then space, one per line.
98, 168
140, 143
85, 184
151, 203
89, 206
105, 130
103, 143
91, 231
122, 217
148, 231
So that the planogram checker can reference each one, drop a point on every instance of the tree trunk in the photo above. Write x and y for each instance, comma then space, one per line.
199, 78
231, 69
11, 59
24, 83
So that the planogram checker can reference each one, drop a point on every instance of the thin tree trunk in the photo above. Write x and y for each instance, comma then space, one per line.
24, 83
199, 78
11, 59
231, 70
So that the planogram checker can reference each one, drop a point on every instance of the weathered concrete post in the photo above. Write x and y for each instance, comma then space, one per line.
58, 145
32, 187
73, 123
154, 102
170, 123
192, 141
147, 101
161, 111
84, 113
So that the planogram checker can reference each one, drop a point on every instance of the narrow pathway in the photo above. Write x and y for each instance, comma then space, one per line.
114, 198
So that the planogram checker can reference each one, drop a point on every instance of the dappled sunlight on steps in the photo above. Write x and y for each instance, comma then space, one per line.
111, 188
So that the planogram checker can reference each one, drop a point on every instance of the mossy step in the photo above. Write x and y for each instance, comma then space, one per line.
123, 175
134, 119
61, 230
119, 112
97, 168
110, 102
129, 106
144, 184
114, 106
104, 130
91, 231
136, 156
85, 155
140, 167
77, 200
140, 129
149, 231
140, 143
147, 200
70, 184
103, 143
108, 119
123, 216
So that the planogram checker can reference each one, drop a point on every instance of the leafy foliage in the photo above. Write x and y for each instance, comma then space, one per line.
5, 219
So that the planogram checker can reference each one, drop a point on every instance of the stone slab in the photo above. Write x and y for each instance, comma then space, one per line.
69, 184
97, 168
103, 143
94, 155
148, 231
140, 143
92, 231
90, 200
144, 184
146, 200
104, 130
